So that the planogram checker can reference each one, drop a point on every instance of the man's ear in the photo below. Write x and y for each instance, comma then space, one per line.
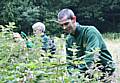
74, 18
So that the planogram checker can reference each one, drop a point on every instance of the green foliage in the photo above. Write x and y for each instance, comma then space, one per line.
31, 65
26, 12
19, 64
52, 28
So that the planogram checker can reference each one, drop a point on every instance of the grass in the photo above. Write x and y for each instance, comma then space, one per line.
114, 47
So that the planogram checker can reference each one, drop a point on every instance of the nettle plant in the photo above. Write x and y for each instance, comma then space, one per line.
29, 65
33, 65
94, 73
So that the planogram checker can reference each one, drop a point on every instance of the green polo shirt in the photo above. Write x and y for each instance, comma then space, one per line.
87, 38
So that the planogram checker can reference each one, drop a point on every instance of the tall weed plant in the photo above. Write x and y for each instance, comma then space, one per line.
33, 65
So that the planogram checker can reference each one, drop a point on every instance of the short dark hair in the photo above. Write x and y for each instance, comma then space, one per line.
65, 12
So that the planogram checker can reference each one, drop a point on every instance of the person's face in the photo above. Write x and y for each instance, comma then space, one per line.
37, 31
17, 39
68, 25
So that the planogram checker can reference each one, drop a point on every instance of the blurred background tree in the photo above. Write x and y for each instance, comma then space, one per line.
104, 14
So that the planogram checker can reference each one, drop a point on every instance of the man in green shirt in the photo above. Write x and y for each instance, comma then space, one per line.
87, 40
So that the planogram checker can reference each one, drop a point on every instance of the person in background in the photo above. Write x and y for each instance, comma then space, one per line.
86, 39
19, 40
47, 43
22, 40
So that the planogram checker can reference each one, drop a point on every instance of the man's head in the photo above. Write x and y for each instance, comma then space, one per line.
38, 28
17, 37
67, 20
19, 40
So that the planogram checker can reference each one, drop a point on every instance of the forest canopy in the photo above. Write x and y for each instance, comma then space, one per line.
103, 14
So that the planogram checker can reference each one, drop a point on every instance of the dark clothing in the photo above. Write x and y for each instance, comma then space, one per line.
87, 38
45, 40
48, 44
29, 44
52, 46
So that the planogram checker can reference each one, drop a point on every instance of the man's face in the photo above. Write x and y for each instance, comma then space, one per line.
68, 25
